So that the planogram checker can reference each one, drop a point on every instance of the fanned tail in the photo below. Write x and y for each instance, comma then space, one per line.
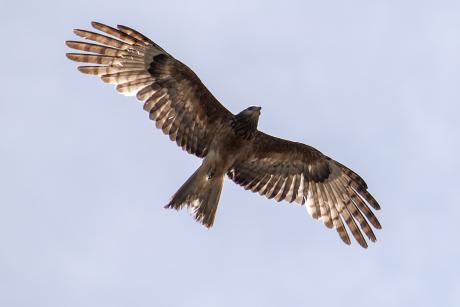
200, 193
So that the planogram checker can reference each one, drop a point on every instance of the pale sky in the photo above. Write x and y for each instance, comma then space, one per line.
85, 175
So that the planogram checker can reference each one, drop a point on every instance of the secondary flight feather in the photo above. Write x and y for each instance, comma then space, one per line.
230, 144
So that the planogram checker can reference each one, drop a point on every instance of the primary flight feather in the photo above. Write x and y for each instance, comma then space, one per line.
183, 108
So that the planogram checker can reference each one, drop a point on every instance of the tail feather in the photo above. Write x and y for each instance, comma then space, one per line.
201, 194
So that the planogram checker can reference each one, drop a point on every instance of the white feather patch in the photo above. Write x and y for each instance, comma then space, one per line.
300, 199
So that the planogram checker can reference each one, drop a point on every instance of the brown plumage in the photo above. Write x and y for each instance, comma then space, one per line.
183, 108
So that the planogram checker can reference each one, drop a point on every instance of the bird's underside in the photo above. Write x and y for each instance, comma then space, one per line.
230, 144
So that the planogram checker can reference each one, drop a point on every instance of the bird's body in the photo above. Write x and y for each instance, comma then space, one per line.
230, 144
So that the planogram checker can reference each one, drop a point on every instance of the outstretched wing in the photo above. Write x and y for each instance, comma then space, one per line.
174, 96
282, 169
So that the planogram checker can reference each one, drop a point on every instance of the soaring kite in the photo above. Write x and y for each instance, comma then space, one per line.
229, 144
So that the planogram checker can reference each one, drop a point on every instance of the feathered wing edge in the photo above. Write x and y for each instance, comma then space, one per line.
176, 99
330, 191
121, 58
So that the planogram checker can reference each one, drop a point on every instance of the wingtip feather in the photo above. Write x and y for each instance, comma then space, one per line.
86, 70
79, 32
71, 56
94, 24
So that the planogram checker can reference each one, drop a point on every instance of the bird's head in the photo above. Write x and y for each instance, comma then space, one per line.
252, 112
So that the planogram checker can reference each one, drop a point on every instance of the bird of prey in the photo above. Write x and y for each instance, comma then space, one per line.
229, 144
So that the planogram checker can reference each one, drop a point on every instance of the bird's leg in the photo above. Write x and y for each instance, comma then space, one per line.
211, 173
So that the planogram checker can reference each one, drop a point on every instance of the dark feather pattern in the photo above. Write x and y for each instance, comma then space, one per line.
174, 96
334, 193
244, 126
184, 109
